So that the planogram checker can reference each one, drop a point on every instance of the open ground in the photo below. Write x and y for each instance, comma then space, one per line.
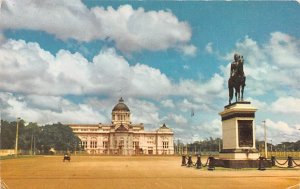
135, 172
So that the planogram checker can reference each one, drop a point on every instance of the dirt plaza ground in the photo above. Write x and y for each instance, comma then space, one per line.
135, 172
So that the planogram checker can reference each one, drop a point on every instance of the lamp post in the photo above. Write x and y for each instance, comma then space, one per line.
34, 145
186, 148
31, 143
17, 137
265, 134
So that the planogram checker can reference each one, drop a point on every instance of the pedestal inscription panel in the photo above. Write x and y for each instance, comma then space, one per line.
245, 131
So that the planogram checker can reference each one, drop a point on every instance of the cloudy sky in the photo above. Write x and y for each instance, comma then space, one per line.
71, 61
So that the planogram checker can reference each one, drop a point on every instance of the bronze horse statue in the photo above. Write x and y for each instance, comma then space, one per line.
237, 80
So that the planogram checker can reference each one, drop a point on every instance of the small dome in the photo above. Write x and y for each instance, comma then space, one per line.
121, 106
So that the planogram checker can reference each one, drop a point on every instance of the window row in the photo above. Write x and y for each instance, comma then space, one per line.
120, 117
165, 145
93, 144
85, 129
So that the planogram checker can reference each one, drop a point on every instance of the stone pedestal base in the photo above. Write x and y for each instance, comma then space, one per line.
238, 132
238, 164
242, 154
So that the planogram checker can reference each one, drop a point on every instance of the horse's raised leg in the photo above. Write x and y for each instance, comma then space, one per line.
243, 86
243, 92
230, 94
230, 90
239, 94
236, 95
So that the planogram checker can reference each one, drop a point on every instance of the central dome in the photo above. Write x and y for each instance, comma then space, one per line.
121, 106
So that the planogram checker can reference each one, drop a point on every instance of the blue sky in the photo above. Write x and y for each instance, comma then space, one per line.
71, 62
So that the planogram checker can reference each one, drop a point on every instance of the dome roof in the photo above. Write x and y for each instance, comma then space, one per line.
121, 106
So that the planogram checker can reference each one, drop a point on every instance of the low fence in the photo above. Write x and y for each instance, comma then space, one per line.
281, 155
261, 163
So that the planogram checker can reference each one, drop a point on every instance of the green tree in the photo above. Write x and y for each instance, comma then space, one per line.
210, 144
8, 134
27, 135
57, 136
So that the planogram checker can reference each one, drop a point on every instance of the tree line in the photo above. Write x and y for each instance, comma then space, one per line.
215, 144
38, 138
61, 137
206, 145
284, 146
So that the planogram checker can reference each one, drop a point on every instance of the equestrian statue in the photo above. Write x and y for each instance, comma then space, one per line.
237, 79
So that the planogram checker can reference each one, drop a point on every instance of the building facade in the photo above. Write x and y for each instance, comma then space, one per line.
122, 137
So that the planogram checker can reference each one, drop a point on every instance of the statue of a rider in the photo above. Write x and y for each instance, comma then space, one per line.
237, 78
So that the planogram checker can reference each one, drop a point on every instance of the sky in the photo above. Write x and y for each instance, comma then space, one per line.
71, 61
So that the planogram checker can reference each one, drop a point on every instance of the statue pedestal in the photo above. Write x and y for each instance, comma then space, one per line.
238, 132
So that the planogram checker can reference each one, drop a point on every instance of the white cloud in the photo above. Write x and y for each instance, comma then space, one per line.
2, 38
203, 91
144, 112
27, 68
185, 67
177, 120
151, 80
209, 48
185, 105
168, 103
288, 105
37, 111
284, 50
189, 50
201, 131
44, 78
278, 132
272, 66
66, 21
53, 103
260, 105
297, 126
130, 29
104, 104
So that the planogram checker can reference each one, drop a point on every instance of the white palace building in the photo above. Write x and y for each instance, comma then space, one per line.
123, 137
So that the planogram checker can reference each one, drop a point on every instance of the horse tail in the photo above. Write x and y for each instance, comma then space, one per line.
230, 89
